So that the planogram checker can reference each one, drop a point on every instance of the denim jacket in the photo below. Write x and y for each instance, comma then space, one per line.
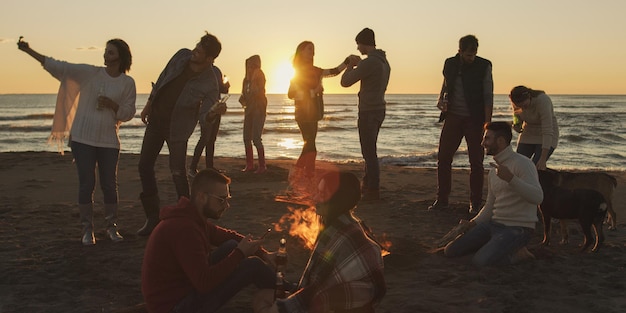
196, 98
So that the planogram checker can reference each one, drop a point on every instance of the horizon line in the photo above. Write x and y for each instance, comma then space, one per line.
350, 93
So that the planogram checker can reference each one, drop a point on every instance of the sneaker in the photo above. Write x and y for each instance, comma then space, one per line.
475, 207
438, 205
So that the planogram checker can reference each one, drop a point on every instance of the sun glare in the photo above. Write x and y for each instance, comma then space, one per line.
278, 81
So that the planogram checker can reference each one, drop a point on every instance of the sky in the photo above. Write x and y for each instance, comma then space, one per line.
560, 46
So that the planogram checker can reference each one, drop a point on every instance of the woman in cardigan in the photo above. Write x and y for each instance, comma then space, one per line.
534, 119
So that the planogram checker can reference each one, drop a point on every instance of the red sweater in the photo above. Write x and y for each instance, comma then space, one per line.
176, 260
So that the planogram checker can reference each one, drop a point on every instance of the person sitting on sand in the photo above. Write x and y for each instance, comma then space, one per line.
345, 271
180, 273
499, 233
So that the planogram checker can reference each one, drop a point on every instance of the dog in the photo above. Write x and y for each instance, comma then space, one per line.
587, 205
599, 181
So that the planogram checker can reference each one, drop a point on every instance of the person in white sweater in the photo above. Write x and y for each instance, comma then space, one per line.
499, 233
92, 103
534, 119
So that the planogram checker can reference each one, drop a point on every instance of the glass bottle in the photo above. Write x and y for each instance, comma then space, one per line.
281, 254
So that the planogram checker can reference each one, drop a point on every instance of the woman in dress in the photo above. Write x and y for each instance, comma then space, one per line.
92, 103
534, 119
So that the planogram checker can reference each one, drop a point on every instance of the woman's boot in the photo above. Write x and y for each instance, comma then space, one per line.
152, 207
86, 220
110, 216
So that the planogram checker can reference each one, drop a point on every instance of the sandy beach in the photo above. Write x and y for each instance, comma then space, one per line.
44, 268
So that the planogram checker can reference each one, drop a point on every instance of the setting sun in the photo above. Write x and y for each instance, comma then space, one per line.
278, 80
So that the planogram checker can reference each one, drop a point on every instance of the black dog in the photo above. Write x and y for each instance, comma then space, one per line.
586, 205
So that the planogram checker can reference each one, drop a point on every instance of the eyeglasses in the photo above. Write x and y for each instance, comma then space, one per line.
222, 199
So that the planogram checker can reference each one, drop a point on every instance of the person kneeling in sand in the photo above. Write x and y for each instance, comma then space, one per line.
345, 271
180, 273
499, 233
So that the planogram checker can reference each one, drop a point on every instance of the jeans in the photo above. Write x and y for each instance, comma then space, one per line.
454, 129
153, 140
309, 150
251, 270
86, 158
208, 136
532, 151
494, 243
369, 124
253, 123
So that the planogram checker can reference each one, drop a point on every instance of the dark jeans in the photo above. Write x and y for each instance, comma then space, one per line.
251, 270
253, 123
153, 140
494, 243
208, 136
86, 158
309, 151
369, 124
454, 129
532, 151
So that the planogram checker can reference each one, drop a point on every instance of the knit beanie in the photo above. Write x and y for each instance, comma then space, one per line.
366, 37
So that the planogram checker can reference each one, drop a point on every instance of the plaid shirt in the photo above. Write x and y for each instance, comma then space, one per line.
345, 271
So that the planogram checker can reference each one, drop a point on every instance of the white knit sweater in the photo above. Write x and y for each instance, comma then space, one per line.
76, 109
513, 203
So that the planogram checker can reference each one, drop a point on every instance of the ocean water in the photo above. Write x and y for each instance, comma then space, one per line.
592, 130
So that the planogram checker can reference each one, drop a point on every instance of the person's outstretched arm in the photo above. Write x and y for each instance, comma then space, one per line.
24, 46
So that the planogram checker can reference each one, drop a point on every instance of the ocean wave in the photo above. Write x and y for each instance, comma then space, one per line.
25, 128
615, 156
573, 138
281, 130
332, 129
613, 137
38, 116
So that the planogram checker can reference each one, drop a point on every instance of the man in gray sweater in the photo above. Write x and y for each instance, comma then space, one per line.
373, 72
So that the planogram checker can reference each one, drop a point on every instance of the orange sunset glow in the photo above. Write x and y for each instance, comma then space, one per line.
412, 33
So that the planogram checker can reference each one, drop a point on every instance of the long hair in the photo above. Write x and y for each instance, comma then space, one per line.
298, 61
126, 58
521, 93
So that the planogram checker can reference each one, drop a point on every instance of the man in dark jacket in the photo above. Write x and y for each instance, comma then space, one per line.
186, 89
180, 272
466, 103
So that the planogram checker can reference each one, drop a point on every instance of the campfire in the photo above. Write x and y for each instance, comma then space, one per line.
305, 225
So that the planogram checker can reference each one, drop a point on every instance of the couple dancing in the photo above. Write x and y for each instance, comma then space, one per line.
306, 90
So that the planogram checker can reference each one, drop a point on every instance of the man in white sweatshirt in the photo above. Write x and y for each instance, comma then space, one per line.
499, 233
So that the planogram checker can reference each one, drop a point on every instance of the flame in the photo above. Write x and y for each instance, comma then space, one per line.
303, 224
385, 245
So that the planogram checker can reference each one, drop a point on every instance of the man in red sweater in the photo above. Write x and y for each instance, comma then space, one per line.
180, 271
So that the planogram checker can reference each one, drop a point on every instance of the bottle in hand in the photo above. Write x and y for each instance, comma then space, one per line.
279, 290
281, 254
101, 91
